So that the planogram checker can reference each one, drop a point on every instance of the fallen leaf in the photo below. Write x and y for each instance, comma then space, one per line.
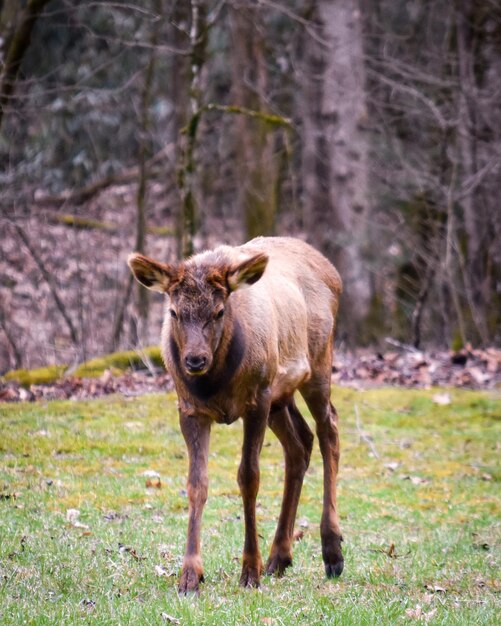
9, 496
9, 395
418, 613
165, 551
392, 466
170, 619
106, 377
153, 483
129, 550
151, 474
478, 376
25, 395
414, 613
160, 570
416, 480
493, 363
135, 555
72, 516
88, 604
435, 588
428, 616
442, 398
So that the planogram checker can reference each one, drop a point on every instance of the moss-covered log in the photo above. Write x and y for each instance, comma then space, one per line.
117, 362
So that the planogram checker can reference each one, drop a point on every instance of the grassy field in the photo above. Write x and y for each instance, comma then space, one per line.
419, 500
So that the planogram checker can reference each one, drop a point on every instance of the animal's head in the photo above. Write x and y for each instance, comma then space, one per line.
198, 291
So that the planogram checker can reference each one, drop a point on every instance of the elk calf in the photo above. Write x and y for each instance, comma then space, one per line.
245, 327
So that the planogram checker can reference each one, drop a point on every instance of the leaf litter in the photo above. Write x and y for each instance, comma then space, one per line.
469, 369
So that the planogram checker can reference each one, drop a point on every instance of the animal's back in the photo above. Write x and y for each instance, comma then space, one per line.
294, 260
303, 289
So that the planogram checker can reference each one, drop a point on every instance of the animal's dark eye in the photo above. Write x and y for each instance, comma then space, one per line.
173, 314
219, 314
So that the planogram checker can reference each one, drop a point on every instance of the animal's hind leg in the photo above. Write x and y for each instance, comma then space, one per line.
316, 392
297, 441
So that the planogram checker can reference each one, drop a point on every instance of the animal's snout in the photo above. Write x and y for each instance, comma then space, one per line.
196, 363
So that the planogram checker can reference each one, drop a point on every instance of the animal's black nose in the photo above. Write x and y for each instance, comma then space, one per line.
195, 362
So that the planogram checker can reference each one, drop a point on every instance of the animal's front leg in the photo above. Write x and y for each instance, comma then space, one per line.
248, 479
196, 433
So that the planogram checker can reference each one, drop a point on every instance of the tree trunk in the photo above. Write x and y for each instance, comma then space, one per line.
179, 89
143, 155
139, 327
475, 211
16, 352
18, 45
335, 149
187, 177
256, 167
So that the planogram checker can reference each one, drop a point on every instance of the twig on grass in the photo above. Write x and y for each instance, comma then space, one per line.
364, 436
402, 346
391, 552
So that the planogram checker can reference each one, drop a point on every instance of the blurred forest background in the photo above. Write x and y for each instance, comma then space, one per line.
370, 128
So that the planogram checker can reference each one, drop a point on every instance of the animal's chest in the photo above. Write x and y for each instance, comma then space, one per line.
223, 408
223, 393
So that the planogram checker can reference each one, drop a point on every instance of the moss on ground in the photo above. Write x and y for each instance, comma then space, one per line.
117, 362
120, 361
39, 376
84, 223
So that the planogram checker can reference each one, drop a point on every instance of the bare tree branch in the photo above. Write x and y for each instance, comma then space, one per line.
49, 280
79, 196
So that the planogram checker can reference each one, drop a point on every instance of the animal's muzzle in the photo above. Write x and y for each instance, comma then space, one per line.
195, 363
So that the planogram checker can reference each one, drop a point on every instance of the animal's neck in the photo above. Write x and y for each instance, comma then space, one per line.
227, 358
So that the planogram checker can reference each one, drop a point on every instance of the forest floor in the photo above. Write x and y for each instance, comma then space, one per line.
94, 513
404, 367
84, 249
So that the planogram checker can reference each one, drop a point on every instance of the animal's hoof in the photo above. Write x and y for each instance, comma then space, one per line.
249, 578
190, 582
333, 570
332, 555
278, 564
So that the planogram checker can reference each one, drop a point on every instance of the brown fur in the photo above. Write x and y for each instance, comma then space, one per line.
245, 327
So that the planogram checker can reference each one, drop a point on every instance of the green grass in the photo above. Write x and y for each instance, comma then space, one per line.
443, 520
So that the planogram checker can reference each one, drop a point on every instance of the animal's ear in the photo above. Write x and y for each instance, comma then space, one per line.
247, 272
152, 274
